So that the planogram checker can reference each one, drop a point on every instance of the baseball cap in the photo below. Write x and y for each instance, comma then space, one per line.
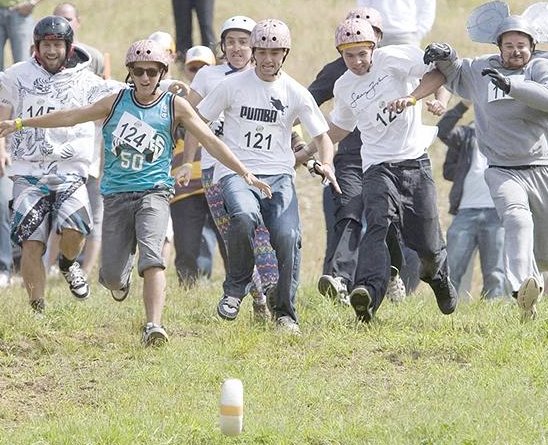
200, 54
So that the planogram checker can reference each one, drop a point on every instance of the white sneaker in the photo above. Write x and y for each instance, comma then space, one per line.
395, 292
286, 324
5, 280
77, 281
154, 335
529, 294
334, 288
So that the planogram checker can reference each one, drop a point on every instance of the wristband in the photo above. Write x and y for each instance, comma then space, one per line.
413, 100
18, 124
187, 164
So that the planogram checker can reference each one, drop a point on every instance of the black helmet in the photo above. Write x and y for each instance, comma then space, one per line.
53, 27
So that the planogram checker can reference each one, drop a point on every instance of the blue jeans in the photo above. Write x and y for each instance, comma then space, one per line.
5, 242
248, 209
479, 228
18, 30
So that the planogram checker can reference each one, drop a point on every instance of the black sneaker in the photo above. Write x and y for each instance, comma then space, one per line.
361, 301
38, 306
229, 307
446, 295
77, 281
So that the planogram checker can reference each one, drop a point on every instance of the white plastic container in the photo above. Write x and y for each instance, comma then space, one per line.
232, 407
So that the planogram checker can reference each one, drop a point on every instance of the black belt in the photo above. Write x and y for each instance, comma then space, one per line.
423, 161
518, 167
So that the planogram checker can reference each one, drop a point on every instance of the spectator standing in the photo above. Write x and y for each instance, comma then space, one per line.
136, 184
404, 21
6, 257
475, 224
16, 24
182, 13
192, 220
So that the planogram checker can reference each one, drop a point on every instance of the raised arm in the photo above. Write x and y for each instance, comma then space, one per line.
62, 118
430, 83
186, 116
191, 144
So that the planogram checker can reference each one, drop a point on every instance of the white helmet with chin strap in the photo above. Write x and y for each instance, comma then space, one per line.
237, 23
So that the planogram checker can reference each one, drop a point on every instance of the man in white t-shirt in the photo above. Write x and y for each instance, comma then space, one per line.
399, 194
260, 106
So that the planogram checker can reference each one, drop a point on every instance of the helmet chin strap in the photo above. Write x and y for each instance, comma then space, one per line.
162, 72
283, 60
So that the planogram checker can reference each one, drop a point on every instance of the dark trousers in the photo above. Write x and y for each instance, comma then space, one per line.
400, 201
182, 14
341, 256
189, 216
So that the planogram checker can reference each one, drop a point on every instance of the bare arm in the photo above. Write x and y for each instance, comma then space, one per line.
191, 143
63, 118
326, 150
430, 83
185, 115
336, 134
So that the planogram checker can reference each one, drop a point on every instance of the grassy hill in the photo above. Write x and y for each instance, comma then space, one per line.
78, 375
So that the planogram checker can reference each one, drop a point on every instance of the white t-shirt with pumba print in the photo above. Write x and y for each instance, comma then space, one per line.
258, 120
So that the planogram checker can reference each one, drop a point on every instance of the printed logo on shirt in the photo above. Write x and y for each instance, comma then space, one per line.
277, 103
258, 114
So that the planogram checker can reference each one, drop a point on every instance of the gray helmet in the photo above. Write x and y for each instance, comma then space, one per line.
515, 23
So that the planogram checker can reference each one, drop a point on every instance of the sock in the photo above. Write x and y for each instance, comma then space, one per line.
64, 263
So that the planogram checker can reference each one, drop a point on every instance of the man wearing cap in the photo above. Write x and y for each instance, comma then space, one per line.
510, 97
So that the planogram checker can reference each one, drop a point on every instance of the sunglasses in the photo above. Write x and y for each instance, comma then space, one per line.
151, 72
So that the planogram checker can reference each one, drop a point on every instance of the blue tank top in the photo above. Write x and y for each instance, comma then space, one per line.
138, 144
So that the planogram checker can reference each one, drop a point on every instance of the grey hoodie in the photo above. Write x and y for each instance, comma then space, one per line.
511, 130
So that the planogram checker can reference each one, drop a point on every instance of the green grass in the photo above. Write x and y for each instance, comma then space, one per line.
80, 376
